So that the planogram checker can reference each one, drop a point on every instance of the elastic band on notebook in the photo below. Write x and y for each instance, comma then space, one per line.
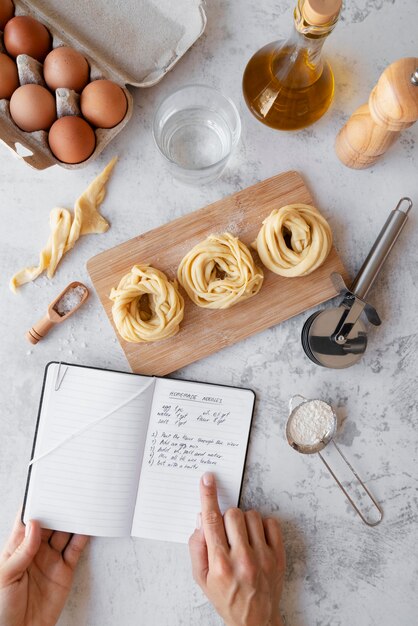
91, 424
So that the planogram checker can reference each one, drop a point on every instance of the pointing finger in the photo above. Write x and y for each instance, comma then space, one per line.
199, 554
212, 521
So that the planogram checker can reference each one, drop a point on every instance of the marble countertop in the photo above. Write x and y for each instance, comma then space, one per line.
340, 572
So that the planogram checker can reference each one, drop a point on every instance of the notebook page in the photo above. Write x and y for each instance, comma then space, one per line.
88, 485
193, 428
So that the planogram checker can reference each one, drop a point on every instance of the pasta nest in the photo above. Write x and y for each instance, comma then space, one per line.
146, 305
219, 272
294, 240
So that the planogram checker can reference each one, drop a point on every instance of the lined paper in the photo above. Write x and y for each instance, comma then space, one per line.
89, 484
193, 428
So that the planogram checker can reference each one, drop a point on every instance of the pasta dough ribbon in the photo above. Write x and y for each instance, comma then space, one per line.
294, 240
219, 272
138, 321
65, 229
50, 256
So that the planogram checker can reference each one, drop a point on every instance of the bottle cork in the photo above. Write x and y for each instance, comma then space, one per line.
320, 12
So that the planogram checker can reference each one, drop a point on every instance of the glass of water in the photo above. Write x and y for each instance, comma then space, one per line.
196, 129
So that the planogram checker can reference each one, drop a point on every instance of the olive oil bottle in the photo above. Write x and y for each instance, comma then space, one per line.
287, 85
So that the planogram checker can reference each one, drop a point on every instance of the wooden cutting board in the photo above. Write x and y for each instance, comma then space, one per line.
206, 331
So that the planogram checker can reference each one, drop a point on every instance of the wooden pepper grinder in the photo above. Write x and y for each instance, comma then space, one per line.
375, 126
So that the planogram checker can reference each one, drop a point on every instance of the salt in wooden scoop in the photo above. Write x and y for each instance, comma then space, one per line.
60, 309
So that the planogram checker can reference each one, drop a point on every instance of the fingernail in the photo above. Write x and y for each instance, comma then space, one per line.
208, 479
199, 521
28, 528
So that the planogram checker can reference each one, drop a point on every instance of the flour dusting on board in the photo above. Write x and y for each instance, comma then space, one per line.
236, 225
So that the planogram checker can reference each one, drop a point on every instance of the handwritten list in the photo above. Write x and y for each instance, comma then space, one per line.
191, 430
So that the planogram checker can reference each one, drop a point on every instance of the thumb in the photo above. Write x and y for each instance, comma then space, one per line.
16, 565
199, 554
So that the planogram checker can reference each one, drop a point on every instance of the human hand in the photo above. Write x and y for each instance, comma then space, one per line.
36, 574
238, 561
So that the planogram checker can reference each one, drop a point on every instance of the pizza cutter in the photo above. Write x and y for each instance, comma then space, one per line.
337, 337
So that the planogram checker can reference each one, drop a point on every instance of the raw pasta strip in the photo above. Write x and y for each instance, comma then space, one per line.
50, 256
66, 229
87, 219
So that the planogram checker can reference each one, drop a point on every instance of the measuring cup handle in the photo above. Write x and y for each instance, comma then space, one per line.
293, 404
347, 495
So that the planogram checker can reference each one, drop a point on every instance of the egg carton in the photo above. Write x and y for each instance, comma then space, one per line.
157, 34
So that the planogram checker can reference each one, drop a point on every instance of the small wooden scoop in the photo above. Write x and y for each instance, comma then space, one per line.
60, 309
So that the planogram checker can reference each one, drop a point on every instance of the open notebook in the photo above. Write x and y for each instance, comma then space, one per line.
118, 454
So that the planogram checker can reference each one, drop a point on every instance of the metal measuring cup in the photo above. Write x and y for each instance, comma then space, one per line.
315, 447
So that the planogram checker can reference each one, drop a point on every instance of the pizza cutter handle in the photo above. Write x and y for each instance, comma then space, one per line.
381, 249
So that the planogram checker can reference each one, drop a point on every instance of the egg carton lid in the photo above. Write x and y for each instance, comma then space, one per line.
141, 40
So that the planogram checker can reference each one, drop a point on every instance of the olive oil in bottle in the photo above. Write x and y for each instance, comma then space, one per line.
287, 85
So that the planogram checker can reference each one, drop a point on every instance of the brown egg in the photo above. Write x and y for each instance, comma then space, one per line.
65, 67
103, 103
25, 35
9, 78
6, 12
32, 107
71, 139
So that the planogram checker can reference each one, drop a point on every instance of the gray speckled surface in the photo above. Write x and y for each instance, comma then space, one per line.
339, 571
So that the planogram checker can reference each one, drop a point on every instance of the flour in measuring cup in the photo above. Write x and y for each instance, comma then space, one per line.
310, 422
